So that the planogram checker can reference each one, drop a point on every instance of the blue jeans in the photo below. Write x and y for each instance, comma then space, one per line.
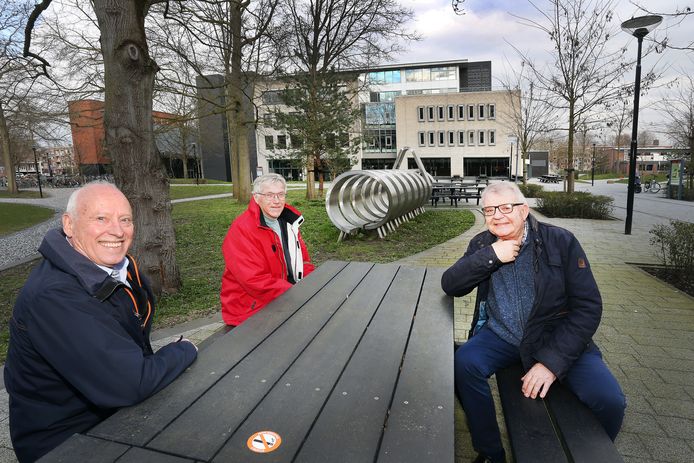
485, 353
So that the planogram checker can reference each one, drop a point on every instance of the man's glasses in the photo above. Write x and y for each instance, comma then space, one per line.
503, 208
271, 196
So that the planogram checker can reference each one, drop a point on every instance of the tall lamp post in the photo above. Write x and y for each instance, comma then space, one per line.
38, 174
592, 168
639, 28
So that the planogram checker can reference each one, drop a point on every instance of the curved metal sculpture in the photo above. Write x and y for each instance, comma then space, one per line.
378, 199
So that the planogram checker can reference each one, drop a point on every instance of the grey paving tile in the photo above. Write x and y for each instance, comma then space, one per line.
677, 427
681, 408
629, 444
642, 423
668, 449
7, 455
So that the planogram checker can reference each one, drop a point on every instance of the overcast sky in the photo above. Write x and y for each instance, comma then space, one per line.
483, 31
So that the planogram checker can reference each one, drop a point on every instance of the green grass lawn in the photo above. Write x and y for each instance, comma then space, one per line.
22, 194
201, 227
191, 191
202, 181
14, 217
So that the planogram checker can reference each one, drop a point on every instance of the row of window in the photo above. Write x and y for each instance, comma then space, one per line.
457, 138
461, 112
413, 75
282, 142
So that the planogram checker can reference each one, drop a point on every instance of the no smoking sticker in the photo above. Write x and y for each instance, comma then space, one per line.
264, 442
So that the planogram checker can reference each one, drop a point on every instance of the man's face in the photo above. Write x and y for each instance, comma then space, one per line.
508, 226
102, 228
271, 200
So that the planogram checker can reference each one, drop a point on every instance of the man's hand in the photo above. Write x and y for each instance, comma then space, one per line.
537, 380
506, 251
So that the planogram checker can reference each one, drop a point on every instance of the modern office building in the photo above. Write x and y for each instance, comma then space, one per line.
446, 111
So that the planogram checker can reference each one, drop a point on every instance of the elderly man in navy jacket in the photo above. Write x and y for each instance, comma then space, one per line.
537, 303
79, 334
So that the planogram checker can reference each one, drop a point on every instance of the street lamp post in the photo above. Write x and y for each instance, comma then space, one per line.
592, 168
639, 28
38, 174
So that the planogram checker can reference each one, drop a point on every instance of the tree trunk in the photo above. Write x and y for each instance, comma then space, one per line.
129, 137
570, 152
6, 157
311, 178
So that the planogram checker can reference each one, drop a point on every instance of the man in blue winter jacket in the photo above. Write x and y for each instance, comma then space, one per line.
79, 334
537, 303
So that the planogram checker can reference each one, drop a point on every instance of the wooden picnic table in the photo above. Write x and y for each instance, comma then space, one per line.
550, 178
354, 363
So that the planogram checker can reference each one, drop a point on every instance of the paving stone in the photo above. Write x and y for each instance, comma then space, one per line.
7, 455
677, 427
672, 407
629, 444
641, 423
668, 449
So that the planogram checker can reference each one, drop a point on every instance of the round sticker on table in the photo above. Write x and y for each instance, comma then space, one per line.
264, 442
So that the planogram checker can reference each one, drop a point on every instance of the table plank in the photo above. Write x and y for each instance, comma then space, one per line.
582, 433
139, 424
85, 449
204, 427
530, 429
290, 409
140, 455
420, 427
354, 422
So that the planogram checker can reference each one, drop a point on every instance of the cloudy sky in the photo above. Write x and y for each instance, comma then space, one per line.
483, 31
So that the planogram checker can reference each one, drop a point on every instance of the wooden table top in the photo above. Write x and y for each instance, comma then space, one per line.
354, 363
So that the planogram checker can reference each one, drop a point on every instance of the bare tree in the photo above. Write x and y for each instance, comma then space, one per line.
129, 139
619, 115
678, 111
331, 36
678, 17
530, 114
586, 72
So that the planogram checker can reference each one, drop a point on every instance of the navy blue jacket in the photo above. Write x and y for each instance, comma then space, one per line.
567, 307
79, 349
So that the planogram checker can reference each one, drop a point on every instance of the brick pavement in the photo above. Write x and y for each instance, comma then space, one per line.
646, 335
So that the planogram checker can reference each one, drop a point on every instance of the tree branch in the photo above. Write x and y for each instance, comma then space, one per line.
38, 9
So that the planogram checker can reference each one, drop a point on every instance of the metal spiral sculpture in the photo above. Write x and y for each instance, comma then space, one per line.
378, 200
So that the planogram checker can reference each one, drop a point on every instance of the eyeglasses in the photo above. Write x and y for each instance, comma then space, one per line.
270, 196
503, 208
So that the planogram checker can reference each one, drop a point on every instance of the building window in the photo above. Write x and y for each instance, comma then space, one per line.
481, 137
389, 141
434, 166
471, 138
442, 138
432, 141
451, 138
430, 113
451, 112
492, 137
420, 113
269, 142
471, 112
480, 111
491, 113
440, 113
461, 112
281, 141
422, 139
461, 137
296, 140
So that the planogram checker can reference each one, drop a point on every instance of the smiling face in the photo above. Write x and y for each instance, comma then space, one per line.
101, 226
271, 199
506, 226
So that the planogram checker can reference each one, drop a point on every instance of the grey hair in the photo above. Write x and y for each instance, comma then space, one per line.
263, 180
72, 201
500, 188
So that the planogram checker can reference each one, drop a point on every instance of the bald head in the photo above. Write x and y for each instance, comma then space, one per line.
99, 224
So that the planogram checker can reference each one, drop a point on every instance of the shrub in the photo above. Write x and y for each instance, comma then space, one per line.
675, 243
580, 205
531, 190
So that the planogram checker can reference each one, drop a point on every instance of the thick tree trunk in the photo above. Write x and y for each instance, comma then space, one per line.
6, 156
129, 138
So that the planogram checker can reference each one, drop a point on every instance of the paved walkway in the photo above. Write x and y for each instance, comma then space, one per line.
646, 335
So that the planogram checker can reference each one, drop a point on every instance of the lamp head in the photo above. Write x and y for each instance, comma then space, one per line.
640, 27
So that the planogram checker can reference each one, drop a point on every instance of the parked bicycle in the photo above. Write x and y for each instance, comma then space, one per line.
652, 186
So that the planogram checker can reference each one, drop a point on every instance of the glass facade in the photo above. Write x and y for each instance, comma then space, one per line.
384, 77
438, 167
377, 164
491, 167
289, 169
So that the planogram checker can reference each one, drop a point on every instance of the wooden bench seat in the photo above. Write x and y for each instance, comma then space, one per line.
558, 428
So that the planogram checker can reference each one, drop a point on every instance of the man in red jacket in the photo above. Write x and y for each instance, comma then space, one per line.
264, 253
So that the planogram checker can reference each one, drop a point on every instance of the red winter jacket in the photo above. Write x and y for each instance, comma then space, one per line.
255, 269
